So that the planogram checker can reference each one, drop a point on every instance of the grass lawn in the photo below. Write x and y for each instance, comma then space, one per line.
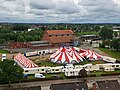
48, 63
98, 73
61, 75
111, 53
93, 62
4, 51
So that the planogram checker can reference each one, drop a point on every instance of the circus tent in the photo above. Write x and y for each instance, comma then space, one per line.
94, 56
91, 55
82, 50
24, 62
66, 55
85, 54
75, 55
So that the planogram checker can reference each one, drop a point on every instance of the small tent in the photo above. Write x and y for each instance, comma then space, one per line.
23, 61
94, 56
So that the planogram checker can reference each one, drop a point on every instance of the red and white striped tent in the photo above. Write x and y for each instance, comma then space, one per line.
25, 62
75, 55
61, 56
56, 53
82, 50
94, 56
66, 55
85, 54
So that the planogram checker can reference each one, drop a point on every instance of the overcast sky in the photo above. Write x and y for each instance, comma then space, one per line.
60, 11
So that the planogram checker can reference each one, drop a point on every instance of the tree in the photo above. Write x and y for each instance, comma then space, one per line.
20, 39
106, 33
2, 41
10, 72
36, 38
29, 38
115, 34
83, 73
115, 43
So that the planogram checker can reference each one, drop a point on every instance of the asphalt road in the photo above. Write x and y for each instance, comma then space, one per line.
46, 84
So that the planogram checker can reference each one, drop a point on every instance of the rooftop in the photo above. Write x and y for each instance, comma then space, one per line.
108, 85
88, 35
69, 86
54, 32
61, 39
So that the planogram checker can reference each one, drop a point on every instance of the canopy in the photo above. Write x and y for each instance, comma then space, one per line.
66, 55
25, 62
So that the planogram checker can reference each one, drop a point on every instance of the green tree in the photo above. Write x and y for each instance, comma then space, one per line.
115, 43
10, 72
106, 33
36, 38
20, 39
115, 34
83, 73
29, 38
2, 41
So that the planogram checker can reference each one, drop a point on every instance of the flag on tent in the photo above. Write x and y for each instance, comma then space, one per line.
25, 62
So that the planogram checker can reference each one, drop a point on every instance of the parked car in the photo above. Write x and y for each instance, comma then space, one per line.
38, 75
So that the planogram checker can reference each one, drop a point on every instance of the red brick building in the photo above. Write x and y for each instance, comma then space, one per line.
59, 37
14, 45
32, 45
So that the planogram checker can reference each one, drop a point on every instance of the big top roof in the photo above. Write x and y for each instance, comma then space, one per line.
66, 55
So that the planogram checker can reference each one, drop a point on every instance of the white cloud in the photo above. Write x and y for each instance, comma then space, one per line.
60, 10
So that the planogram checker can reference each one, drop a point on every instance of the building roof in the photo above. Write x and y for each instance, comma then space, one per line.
92, 35
59, 32
108, 85
39, 42
61, 39
69, 86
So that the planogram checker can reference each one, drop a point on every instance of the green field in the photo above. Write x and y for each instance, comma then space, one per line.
92, 62
48, 63
112, 53
4, 51
98, 73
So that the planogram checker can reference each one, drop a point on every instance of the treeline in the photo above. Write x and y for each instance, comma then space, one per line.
19, 32
106, 35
